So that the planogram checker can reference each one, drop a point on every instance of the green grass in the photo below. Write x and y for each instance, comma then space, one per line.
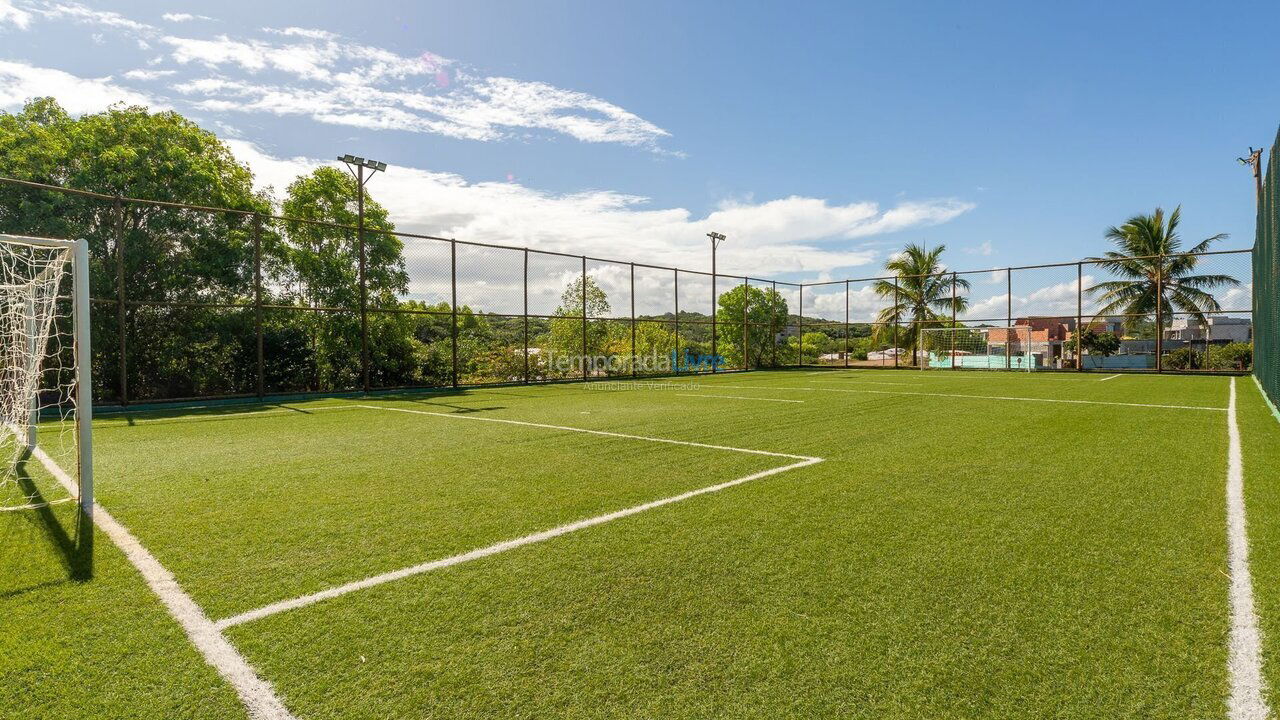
951, 557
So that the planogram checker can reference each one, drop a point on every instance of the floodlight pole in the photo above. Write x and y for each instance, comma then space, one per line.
1254, 161
716, 239
374, 166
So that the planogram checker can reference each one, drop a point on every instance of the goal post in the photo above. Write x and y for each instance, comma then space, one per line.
46, 402
977, 348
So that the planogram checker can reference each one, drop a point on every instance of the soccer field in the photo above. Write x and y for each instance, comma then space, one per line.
861, 543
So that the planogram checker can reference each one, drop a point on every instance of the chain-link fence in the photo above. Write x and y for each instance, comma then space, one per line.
194, 302
1266, 278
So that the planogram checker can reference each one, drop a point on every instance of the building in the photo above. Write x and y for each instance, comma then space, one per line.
1220, 329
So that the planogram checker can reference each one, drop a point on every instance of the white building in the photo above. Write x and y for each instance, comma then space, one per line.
1220, 329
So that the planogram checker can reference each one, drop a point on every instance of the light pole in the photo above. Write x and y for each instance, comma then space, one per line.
1254, 160
356, 166
716, 239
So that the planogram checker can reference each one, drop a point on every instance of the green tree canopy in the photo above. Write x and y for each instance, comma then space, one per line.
925, 296
766, 314
324, 261
170, 253
565, 338
1154, 272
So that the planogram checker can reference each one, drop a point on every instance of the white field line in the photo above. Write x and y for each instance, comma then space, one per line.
604, 433
1112, 377
867, 382
736, 397
1244, 659
375, 580
257, 695
974, 397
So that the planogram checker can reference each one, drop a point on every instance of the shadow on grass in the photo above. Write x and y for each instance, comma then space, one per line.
159, 417
75, 547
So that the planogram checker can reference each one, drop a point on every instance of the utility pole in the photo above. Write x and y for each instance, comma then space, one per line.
361, 164
1254, 160
716, 239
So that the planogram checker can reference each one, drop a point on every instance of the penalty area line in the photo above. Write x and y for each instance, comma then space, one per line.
736, 397
537, 537
1112, 377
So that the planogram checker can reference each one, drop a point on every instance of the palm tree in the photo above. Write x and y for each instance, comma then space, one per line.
925, 295
1151, 258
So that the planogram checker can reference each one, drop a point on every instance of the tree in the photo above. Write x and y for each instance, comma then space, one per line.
1094, 343
1231, 356
324, 261
565, 338
766, 314
321, 269
923, 296
169, 254
1156, 271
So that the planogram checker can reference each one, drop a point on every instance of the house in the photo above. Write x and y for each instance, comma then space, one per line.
1219, 329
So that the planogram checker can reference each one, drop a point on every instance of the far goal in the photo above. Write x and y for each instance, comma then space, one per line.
45, 406
977, 348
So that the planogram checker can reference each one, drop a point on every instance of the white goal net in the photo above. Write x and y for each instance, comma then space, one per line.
977, 348
44, 380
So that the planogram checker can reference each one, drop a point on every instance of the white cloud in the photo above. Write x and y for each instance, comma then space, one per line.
426, 94
89, 16
18, 17
1052, 300
789, 235
312, 33
141, 74
20, 82
984, 249
183, 17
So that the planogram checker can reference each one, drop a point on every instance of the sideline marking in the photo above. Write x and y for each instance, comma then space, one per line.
1244, 658
978, 397
375, 580
1113, 377
737, 397
256, 694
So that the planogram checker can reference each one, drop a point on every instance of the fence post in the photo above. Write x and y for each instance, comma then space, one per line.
121, 310
896, 301
1079, 317
526, 316
1160, 313
633, 319
953, 321
364, 299
676, 294
846, 323
453, 306
746, 298
257, 300
584, 317
773, 332
800, 330
715, 357
1008, 317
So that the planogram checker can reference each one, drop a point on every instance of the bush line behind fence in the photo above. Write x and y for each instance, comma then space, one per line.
194, 302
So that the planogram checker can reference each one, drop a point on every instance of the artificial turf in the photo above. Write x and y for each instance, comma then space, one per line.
956, 554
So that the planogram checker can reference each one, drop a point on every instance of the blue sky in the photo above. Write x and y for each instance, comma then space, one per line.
818, 136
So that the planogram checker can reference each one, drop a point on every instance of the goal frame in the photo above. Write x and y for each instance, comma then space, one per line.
82, 482
1027, 354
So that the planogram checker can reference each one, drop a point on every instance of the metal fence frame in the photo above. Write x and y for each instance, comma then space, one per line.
123, 305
